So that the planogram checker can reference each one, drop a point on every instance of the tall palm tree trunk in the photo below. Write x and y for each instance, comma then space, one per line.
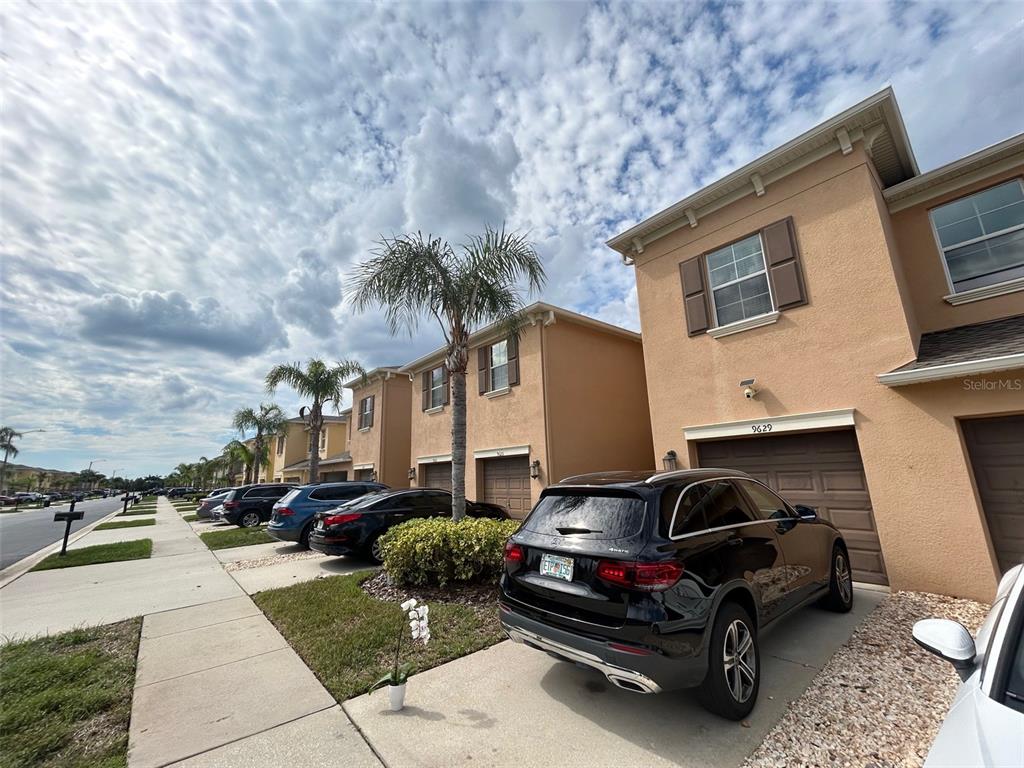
3, 472
458, 444
314, 450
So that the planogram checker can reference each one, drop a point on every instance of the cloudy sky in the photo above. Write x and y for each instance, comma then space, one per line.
186, 186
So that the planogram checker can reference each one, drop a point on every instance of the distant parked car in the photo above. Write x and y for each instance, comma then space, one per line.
249, 505
292, 517
7, 500
985, 724
211, 502
355, 528
180, 492
664, 581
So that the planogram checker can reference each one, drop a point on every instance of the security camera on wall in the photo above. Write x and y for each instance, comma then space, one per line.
748, 389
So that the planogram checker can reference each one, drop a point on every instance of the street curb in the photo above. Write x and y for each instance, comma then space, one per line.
17, 570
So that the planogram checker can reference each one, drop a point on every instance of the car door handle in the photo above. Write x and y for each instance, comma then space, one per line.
735, 541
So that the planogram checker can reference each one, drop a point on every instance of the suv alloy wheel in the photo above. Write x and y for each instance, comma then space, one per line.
734, 664
840, 583
249, 520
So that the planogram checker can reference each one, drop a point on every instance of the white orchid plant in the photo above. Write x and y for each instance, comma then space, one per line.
419, 628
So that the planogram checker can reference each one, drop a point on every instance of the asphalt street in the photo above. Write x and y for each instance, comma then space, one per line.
22, 533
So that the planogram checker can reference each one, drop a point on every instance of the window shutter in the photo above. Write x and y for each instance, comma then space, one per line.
447, 385
695, 296
483, 368
426, 390
372, 399
513, 361
783, 262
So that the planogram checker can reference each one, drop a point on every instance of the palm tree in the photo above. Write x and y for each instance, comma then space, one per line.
268, 422
239, 453
7, 437
412, 277
320, 383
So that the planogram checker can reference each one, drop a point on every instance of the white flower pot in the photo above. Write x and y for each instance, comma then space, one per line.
396, 694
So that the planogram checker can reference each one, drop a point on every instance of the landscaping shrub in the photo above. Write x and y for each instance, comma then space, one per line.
440, 551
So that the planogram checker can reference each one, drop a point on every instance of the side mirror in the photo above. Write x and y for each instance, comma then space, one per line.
949, 640
805, 512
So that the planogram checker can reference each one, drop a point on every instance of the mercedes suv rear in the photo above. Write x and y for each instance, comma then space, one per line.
664, 581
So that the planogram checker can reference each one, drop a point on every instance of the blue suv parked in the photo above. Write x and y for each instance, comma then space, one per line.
292, 516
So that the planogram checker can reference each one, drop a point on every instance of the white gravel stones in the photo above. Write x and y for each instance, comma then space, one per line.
242, 565
880, 699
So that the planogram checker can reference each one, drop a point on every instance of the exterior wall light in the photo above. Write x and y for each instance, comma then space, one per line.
412, 473
670, 461
535, 469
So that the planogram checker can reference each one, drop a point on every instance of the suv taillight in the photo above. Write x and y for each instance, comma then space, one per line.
514, 553
339, 519
284, 512
232, 504
647, 577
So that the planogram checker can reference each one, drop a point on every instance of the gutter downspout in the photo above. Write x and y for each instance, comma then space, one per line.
549, 319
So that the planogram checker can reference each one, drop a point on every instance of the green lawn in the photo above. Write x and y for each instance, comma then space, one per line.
190, 518
137, 511
235, 537
348, 638
125, 524
137, 549
67, 698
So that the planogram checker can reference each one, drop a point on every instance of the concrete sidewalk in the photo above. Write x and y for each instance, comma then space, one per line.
512, 705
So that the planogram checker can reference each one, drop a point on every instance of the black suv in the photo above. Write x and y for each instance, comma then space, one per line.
249, 505
664, 580
355, 528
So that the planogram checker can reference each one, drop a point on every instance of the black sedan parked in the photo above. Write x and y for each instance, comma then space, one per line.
249, 505
355, 528
664, 580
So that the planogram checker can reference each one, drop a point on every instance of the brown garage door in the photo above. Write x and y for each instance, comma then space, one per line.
438, 475
819, 469
507, 482
364, 474
996, 448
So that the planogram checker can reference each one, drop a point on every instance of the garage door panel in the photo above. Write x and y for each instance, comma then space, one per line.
438, 475
507, 482
996, 450
819, 469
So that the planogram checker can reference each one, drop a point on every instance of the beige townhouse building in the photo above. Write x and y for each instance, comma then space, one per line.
378, 430
289, 452
851, 330
568, 396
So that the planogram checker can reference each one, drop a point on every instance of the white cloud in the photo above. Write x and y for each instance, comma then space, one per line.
195, 180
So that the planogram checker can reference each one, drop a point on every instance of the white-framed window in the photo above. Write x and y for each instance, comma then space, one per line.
739, 281
366, 412
499, 365
437, 385
323, 438
981, 236
280, 445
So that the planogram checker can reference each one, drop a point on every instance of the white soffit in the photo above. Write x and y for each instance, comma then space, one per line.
771, 425
495, 453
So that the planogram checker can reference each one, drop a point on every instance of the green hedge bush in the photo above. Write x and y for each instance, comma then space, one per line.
440, 551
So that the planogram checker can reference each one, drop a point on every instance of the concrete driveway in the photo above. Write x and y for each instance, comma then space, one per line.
512, 705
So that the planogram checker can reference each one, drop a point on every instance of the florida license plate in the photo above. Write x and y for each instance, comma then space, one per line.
556, 566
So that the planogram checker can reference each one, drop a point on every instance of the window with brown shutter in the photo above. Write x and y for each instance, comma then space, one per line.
435, 388
498, 366
513, 361
483, 359
366, 412
749, 278
425, 376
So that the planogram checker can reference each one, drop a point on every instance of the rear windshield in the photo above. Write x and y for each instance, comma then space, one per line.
361, 502
290, 496
590, 516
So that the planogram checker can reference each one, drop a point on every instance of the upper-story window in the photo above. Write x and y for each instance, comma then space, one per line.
280, 445
435, 388
739, 281
982, 236
323, 438
498, 366
366, 412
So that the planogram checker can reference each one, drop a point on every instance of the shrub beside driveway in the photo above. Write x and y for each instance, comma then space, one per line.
347, 637
67, 698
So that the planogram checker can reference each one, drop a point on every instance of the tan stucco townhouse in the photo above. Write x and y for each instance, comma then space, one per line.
289, 451
874, 315
568, 396
378, 431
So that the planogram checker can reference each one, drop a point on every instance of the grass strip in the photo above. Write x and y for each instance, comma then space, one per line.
68, 697
348, 638
124, 524
190, 518
135, 511
235, 537
137, 549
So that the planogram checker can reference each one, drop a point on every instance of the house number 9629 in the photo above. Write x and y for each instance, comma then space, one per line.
759, 428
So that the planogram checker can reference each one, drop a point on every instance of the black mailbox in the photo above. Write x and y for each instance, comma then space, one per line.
67, 516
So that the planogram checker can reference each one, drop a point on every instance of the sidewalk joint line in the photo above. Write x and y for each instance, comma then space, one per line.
215, 666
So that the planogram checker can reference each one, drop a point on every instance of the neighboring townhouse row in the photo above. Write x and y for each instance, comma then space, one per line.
568, 396
378, 431
851, 331
289, 452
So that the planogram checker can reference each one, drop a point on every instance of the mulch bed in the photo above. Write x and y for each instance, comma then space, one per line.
476, 595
